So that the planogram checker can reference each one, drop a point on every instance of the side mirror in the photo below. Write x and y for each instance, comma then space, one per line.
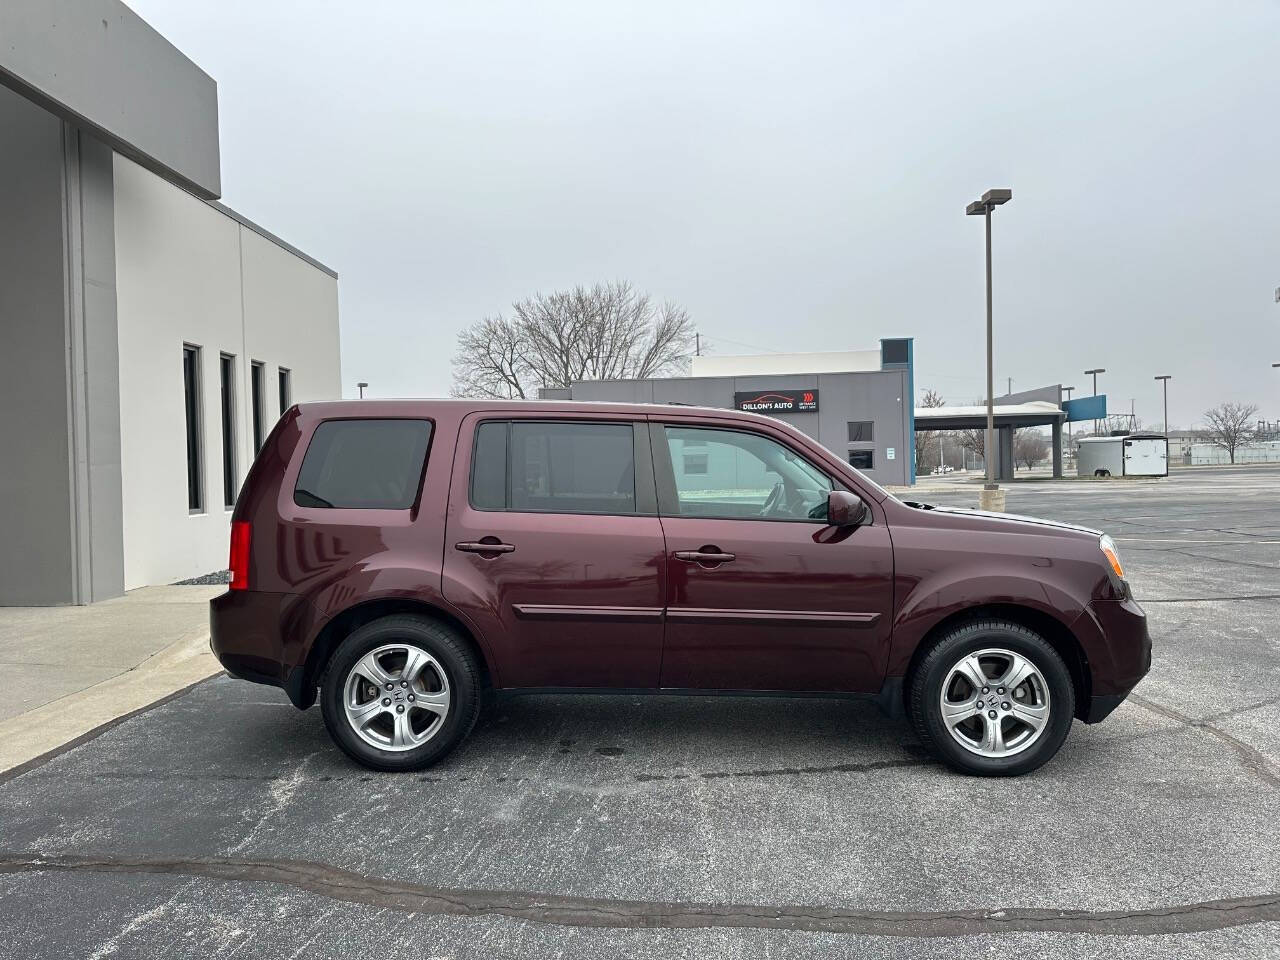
846, 510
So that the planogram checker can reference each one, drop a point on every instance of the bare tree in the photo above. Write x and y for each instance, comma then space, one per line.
975, 441
1230, 426
605, 332
928, 442
1029, 447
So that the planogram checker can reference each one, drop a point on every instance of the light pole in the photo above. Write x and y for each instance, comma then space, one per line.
1069, 390
362, 384
983, 207
1094, 373
1165, 383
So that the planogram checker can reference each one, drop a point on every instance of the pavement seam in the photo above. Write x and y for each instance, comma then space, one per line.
570, 911
1253, 760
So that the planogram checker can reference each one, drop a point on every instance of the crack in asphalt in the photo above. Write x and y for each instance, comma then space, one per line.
1224, 560
1254, 761
1248, 596
348, 887
864, 767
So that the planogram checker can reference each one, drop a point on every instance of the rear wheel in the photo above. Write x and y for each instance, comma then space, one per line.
400, 693
992, 698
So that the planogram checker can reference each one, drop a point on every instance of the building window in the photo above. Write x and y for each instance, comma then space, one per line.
695, 463
227, 370
862, 431
862, 459
191, 389
286, 390
256, 374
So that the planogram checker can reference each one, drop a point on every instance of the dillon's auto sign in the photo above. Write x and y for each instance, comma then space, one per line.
778, 401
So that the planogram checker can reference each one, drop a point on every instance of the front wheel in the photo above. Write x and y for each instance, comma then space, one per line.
992, 698
400, 693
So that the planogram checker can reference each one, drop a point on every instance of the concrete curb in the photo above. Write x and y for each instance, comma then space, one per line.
51, 725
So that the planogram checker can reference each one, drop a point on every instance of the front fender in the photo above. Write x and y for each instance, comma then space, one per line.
930, 602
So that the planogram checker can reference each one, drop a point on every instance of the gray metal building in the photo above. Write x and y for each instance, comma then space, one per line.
864, 414
148, 333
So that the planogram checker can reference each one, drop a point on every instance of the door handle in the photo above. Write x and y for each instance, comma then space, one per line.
703, 556
471, 546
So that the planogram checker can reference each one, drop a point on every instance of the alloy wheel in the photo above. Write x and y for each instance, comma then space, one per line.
995, 702
396, 697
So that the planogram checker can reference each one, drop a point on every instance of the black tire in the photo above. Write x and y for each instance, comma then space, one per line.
453, 655
924, 696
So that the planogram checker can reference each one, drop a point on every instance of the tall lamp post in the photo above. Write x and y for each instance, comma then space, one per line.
1069, 391
1165, 383
362, 385
983, 207
1094, 373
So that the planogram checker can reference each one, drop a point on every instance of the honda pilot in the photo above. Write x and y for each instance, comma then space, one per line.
406, 561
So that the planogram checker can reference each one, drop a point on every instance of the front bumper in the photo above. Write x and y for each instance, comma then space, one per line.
1121, 626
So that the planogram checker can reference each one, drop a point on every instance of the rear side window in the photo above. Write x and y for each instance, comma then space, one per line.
365, 464
538, 467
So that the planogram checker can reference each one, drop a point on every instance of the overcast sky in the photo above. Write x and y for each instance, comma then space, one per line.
793, 174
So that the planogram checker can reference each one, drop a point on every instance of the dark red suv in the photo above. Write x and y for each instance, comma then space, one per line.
410, 558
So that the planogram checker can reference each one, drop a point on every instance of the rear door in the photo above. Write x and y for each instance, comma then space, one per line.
553, 548
762, 593
1146, 457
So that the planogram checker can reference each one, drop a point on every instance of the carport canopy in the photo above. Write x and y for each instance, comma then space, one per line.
1008, 418
1033, 413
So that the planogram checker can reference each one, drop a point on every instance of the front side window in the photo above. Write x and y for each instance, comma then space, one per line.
743, 475
541, 467
364, 464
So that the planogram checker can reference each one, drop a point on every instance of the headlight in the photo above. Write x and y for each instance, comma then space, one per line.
1108, 547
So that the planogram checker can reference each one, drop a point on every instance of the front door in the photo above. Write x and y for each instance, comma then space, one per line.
762, 593
554, 551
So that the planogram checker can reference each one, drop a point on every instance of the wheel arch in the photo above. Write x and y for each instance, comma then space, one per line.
303, 692
1054, 631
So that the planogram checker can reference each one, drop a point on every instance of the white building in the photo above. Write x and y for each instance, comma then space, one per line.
149, 336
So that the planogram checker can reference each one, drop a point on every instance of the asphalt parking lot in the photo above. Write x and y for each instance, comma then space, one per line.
223, 822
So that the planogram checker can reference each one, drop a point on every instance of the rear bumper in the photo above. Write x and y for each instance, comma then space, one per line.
249, 632
1122, 629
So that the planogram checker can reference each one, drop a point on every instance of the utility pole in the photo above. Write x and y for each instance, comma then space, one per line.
1070, 438
1094, 373
1165, 383
983, 207
697, 344
1009, 389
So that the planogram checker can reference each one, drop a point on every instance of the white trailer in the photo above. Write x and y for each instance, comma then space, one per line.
1137, 455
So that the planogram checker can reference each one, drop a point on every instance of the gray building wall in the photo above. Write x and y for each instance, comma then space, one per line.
35, 481
60, 488
101, 67
881, 396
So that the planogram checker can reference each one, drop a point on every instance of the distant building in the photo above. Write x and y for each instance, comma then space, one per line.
857, 404
149, 336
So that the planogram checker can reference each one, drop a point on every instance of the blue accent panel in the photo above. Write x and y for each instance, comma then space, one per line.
1086, 408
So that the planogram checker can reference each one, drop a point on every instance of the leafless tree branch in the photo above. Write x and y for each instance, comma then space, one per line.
604, 332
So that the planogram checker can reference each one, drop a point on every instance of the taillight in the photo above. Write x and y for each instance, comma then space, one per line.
239, 562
